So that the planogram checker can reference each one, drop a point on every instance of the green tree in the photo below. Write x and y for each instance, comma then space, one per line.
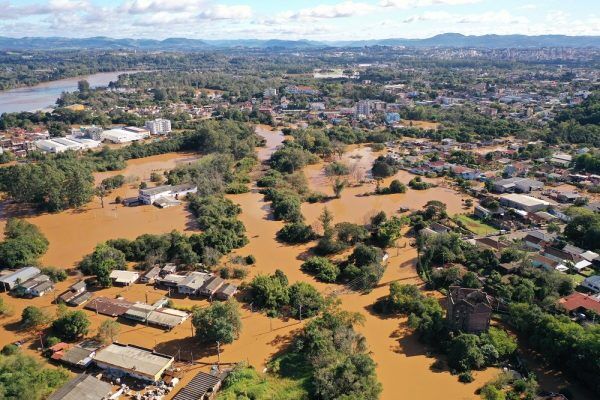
71, 325
465, 353
305, 300
23, 244
33, 317
322, 268
102, 262
219, 322
269, 291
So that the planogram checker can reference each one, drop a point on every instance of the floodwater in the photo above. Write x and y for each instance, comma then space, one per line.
44, 95
75, 233
403, 366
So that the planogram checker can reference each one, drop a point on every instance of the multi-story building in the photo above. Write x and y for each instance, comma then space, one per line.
159, 126
469, 310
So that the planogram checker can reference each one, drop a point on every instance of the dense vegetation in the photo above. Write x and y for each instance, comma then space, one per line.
331, 359
465, 352
220, 322
22, 377
23, 244
274, 294
573, 347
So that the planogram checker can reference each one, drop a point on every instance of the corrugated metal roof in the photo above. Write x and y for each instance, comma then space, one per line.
201, 384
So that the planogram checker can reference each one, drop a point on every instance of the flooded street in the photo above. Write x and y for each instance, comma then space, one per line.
403, 366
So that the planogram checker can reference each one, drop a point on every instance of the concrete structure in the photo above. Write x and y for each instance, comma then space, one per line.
137, 362
270, 92
124, 278
226, 291
469, 310
62, 144
151, 195
108, 306
523, 202
159, 126
91, 132
11, 280
83, 387
120, 135
363, 107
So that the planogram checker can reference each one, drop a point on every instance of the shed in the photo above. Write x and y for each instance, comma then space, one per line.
202, 386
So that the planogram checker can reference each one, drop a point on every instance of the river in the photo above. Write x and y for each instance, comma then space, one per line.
44, 95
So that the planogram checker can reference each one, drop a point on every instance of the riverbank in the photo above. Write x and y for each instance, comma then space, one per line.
43, 95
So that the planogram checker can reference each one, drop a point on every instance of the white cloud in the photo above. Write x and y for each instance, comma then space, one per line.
324, 11
227, 12
424, 3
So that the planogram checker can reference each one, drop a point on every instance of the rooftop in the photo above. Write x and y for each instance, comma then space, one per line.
133, 358
83, 387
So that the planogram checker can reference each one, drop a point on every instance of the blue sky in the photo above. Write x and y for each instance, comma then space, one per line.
295, 19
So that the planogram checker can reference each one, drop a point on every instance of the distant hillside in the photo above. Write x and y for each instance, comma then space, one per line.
182, 44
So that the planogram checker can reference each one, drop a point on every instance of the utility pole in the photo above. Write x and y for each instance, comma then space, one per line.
300, 311
218, 355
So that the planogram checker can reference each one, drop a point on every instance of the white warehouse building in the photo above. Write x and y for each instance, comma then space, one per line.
119, 135
159, 126
62, 144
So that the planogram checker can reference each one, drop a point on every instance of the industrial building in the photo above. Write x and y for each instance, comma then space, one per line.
137, 362
122, 135
523, 202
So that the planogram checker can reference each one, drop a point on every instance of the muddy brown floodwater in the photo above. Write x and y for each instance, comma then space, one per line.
403, 367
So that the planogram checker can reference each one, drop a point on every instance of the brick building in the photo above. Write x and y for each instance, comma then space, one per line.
469, 310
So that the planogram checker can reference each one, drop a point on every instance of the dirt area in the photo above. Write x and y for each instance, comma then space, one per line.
403, 366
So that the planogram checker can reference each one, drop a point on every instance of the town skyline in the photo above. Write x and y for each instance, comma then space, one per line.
324, 20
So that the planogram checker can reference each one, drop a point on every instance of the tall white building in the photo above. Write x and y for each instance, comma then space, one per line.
363, 107
159, 126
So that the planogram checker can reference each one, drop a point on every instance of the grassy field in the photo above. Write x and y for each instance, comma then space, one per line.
475, 226
247, 383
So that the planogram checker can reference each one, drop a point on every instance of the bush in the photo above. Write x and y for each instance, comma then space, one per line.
466, 377
240, 273
250, 260
322, 268
418, 184
295, 233
55, 274
10, 349
316, 197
